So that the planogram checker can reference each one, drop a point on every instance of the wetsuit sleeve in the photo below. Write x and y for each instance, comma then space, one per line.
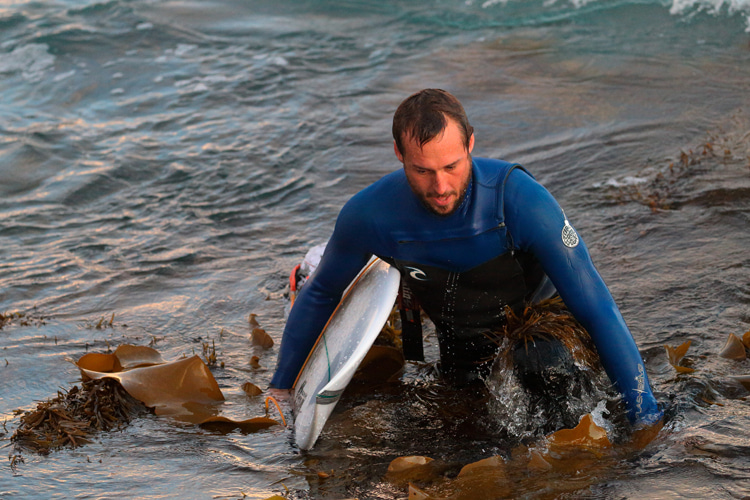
536, 222
344, 257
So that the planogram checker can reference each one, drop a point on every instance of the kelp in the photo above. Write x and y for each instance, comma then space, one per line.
71, 418
184, 389
117, 386
29, 318
550, 319
734, 348
385, 360
177, 388
675, 355
565, 461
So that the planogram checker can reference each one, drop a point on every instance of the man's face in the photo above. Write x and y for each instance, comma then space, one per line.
440, 171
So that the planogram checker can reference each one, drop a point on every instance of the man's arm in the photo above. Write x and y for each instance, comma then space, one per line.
344, 257
537, 223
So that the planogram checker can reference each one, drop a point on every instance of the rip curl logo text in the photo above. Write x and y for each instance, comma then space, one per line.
415, 273
641, 381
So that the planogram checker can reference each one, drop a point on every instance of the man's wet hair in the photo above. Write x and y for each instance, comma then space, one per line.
422, 117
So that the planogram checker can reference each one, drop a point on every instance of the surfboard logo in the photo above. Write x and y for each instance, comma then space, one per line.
416, 273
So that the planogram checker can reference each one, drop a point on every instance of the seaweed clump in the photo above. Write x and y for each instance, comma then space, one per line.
22, 318
71, 418
548, 319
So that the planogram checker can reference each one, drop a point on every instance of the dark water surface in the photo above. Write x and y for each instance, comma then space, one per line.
169, 162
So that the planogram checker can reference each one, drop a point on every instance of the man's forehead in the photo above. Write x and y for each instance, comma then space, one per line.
410, 137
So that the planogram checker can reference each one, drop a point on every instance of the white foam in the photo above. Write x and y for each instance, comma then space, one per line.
63, 76
597, 415
31, 60
680, 7
184, 48
677, 7
624, 182
279, 61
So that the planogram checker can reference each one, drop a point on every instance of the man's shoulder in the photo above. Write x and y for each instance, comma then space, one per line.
491, 172
384, 195
388, 187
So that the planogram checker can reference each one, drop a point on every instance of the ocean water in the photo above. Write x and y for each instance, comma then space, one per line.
169, 163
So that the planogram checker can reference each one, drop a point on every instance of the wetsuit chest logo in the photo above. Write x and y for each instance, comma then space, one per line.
415, 273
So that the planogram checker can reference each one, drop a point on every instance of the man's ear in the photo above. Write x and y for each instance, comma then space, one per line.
398, 153
471, 143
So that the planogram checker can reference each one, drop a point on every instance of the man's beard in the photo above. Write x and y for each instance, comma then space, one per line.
424, 199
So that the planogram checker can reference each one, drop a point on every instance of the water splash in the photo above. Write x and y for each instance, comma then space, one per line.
527, 414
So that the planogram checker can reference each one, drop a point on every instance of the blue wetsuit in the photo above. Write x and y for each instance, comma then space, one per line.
498, 248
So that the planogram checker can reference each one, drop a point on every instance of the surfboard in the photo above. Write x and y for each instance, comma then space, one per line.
346, 339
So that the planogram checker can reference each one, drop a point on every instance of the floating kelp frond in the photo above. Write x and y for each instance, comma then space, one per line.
73, 416
743, 379
184, 389
675, 355
166, 387
251, 389
586, 435
261, 338
224, 424
125, 357
734, 348
404, 470
118, 384
565, 461
550, 319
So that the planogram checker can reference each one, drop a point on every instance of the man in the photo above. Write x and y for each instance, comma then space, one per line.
469, 236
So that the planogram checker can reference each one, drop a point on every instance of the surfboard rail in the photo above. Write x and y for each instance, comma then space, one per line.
341, 347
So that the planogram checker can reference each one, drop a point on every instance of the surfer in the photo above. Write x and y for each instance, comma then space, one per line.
469, 236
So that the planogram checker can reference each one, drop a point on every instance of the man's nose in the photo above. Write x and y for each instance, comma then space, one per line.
441, 185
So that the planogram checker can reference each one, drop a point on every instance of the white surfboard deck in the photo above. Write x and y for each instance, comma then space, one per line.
346, 339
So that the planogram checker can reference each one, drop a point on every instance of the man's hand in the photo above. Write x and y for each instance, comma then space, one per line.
280, 395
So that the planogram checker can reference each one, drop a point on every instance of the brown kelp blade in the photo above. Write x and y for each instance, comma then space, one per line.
404, 470
587, 434
224, 424
133, 356
381, 363
125, 357
251, 389
168, 384
417, 494
734, 348
261, 338
675, 355
743, 379
184, 389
